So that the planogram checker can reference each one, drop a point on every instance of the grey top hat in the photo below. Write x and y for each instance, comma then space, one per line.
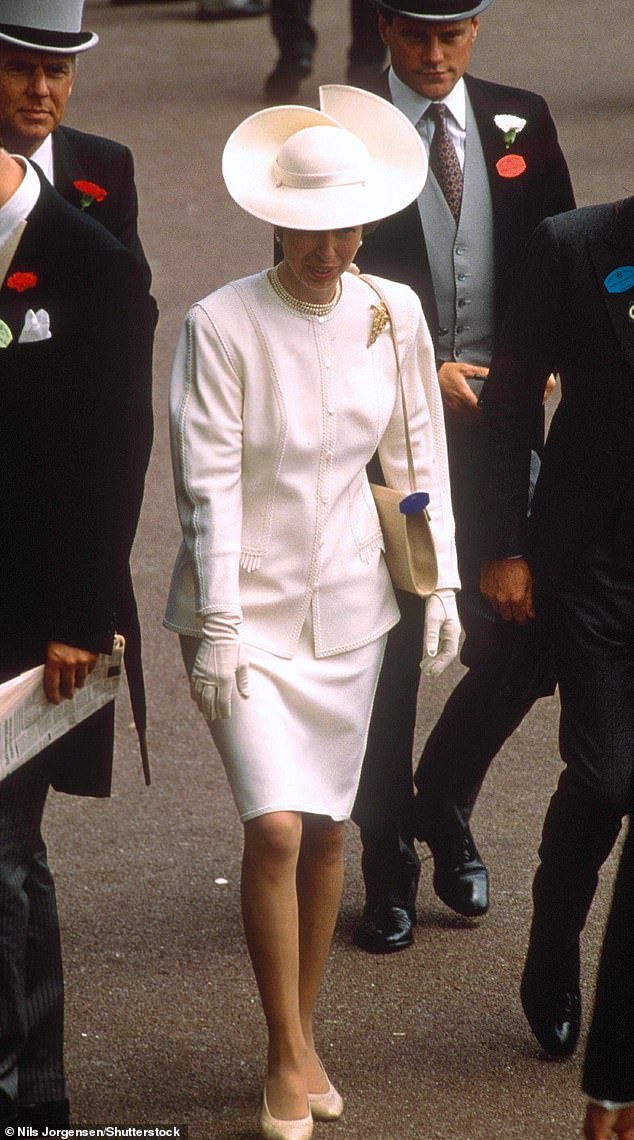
45, 25
434, 11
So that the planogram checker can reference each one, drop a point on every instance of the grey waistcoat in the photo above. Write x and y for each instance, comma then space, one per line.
461, 258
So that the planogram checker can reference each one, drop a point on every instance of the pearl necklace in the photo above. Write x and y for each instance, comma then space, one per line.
308, 308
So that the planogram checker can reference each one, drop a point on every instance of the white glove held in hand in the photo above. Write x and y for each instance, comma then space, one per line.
442, 632
220, 663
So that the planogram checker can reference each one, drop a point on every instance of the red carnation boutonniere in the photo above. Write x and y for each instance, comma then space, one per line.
90, 193
22, 281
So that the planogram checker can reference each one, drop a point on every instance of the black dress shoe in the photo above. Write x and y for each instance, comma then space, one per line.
284, 81
253, 8
552, 1006
461, 879
384, 928
48, 1114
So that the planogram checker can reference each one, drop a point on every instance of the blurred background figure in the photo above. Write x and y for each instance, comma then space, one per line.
230, 9
217, 9
297, 40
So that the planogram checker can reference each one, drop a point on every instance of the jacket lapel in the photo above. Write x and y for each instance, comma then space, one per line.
503, 190
614, 251
66, 168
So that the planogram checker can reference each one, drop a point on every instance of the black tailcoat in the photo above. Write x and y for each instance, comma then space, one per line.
78, 156
564, 318
75, 437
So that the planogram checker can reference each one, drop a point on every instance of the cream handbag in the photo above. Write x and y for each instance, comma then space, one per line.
409, 545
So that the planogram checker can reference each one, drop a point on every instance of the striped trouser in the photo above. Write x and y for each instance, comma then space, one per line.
31, 981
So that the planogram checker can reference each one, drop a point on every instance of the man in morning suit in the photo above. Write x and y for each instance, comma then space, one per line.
37, 74
76, 330
570, 573
38, 63
459, 248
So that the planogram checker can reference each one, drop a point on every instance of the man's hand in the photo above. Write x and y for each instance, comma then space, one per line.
456, 393
65, 670
508, 586
603, 1124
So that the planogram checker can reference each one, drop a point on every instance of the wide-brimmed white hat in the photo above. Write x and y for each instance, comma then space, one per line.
356, 160
45, 25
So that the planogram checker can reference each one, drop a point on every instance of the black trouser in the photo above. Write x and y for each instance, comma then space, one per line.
295, 34
484, 709
384, 803
609, 1067
591, 617
31, 982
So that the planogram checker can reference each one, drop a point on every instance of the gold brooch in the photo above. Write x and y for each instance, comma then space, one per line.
380, 319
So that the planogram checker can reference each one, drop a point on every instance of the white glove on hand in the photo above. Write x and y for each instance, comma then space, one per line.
220, 663
442, 632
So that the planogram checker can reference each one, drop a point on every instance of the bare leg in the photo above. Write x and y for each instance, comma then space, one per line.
319, 884
269, 907
291, 889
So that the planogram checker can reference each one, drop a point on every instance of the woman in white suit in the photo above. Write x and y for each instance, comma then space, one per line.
280, 592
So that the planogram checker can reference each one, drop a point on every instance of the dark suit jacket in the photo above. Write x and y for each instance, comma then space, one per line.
81, 156
564, 318
75, 436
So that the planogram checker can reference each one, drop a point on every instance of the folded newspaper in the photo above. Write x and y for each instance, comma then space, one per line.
29, 723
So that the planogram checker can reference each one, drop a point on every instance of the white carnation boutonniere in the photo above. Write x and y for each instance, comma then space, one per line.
511, 125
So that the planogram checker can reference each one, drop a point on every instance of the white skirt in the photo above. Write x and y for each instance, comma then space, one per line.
297, 743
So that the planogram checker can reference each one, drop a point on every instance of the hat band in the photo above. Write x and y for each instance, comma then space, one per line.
318, 181
44, 38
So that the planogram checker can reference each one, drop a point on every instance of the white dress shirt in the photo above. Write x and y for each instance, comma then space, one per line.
14, 214
44, 158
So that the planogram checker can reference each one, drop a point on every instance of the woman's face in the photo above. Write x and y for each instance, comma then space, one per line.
315, 259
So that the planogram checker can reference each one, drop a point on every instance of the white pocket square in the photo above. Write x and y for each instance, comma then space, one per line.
37, 326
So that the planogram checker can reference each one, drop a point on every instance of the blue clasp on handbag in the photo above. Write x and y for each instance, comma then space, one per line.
414, 503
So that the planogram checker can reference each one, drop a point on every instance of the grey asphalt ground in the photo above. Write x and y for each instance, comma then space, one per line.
163, 1022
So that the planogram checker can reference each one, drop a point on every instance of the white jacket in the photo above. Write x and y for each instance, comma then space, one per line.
274, 416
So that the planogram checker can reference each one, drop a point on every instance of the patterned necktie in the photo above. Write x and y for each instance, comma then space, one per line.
443, 159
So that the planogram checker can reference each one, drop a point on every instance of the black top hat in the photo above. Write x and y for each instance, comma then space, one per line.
434, 11
45, 25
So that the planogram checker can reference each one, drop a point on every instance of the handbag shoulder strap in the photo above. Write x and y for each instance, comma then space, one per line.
408, 443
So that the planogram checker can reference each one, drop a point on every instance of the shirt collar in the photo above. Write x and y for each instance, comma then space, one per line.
44, 158
21, 203
414, 105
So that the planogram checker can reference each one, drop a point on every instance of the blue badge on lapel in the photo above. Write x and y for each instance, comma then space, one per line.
620, 280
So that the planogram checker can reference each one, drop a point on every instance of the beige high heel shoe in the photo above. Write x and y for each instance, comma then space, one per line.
327, 1105
273, 1129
